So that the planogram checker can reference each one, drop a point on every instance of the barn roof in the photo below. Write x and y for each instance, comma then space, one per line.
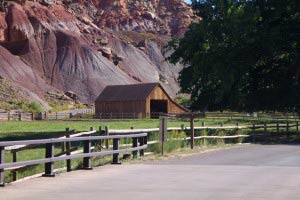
132, 92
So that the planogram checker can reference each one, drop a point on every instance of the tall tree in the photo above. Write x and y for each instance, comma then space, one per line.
242, 55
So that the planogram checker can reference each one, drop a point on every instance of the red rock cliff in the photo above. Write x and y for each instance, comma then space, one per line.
84, 46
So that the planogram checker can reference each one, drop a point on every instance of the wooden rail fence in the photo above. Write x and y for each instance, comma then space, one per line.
30, 116
20, 116
86, 155
138, 136
253, 116
90, 113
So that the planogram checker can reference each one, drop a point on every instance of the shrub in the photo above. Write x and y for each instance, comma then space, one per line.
21, 104
34, 107
185, 102
56, 106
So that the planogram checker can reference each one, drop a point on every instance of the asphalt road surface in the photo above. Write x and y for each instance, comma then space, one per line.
252, 172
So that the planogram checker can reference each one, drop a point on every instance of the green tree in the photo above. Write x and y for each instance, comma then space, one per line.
242, 55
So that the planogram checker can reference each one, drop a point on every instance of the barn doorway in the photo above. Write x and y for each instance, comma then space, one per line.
158, 106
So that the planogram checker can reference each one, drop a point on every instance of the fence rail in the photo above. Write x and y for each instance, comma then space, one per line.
16, 116
86, 155
90, 113
29, 116
253, 116
139, 143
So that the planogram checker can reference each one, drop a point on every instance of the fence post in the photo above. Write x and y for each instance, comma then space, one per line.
100, 141
116, 147
107, 134
68, 151
203, 123
49, 167
163, 128
287, 125
87, 160
56, 115
253, 136
2, 153
32, 116
15, 160
237, 125
146, 140
8, 116
265, 127
182, 127
277, 126
134, 145
297, 125
192, 130
142, 142
87, 149
20, 116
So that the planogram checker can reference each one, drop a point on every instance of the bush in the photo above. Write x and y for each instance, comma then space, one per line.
81, 106
185, 102
56, 106
21, 104
35, 107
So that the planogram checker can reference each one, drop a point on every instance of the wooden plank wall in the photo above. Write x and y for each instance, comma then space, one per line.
142, 107
159, 94
120, 107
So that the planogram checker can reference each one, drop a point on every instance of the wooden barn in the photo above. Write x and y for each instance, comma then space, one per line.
135, 101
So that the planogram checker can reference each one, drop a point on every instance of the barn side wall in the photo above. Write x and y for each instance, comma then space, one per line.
123, 108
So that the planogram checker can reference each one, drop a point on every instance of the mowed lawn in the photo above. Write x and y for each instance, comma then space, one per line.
47, 129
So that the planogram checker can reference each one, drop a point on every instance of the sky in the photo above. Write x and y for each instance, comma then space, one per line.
188, 1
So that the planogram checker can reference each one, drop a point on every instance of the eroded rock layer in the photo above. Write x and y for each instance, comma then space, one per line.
83, 46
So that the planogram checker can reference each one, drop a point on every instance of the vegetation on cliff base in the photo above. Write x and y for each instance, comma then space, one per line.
11, 98
22, 105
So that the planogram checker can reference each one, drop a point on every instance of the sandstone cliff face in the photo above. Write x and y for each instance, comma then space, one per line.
84, 46
156, 16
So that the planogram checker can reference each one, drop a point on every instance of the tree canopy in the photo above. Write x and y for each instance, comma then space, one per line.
242, 55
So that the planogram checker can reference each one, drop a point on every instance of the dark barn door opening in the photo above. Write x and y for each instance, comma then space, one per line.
158, 106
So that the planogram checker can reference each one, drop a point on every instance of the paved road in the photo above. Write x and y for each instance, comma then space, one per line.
253, 172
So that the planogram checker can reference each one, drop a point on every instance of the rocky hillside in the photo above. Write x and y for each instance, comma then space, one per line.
82, 46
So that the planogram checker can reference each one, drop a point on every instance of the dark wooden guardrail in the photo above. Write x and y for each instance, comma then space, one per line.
49, 159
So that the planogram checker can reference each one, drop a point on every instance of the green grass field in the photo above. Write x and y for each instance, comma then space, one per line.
18, 130
22, 130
